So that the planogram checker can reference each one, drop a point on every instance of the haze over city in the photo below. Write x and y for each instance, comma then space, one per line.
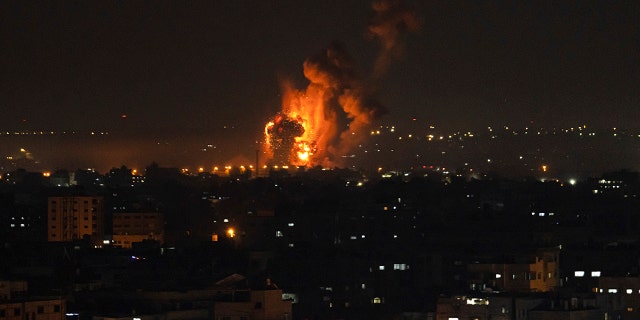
206, 75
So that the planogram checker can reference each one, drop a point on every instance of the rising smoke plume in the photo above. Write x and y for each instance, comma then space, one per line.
335, 112
391, 20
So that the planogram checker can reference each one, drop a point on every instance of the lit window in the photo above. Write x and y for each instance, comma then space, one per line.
595, 274
629, 291
578, 274
399, 266
612, 291
279, 234
477, 301
381, 268
291, 224
377, 300
498, 276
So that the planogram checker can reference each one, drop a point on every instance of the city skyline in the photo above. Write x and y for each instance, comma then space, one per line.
565, 153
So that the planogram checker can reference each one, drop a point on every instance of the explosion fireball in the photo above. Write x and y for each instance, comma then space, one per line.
283, 136
322, 123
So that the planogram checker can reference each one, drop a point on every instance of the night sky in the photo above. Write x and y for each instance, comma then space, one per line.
81, 64
204, 65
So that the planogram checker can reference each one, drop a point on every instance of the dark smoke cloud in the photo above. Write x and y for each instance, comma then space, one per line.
391, 19
337, 108
333, 68
344, 92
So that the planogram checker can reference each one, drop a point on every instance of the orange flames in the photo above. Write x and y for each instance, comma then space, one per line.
322, 123
286, 137
319, 124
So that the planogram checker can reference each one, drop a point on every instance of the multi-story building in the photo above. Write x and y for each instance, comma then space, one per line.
9, 289
531, 306
211, 304
537, 272
129, 228
262, 305
37, 309
487, 306
75, 217
619, 296
15, 305
570, 308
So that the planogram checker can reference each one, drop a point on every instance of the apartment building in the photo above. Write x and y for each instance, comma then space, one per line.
75, 217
